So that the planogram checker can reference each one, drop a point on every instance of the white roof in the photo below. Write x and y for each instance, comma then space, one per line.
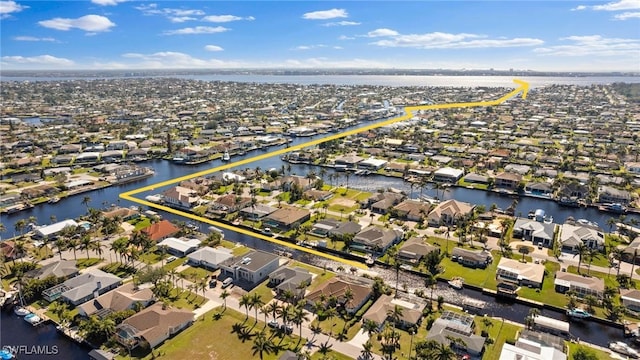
447, 171
48, 230
182, 245
530, 350
374, 162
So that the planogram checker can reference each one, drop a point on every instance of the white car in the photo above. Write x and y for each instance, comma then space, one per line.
623, 348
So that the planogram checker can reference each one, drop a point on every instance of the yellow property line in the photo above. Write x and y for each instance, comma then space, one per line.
523, 87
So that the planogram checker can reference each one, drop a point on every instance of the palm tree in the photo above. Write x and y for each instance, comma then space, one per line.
366, 352
86, 200
87, 243
273, 308
581, 251
370, 327
256, 302
442, 352
299, 316
245, 301
224, 295
430, 281
20, 225
262, 345
61, 245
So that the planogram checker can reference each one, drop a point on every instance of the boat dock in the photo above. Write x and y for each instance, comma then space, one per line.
40, 313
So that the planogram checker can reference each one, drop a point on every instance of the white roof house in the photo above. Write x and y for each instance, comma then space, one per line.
530, 350
51, 230
209, 257
448, 174
180, 247
521, 273
372, 163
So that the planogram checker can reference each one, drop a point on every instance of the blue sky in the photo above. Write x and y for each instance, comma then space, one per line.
115, 34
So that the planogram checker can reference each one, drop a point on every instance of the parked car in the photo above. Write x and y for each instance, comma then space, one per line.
213, 283
286, 328
171, 258
273, 324
227, 282
622, 348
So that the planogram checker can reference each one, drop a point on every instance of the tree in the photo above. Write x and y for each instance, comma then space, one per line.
430, 281
581, 251
61, 245
262, 345
245, 301
86, 200
256, 302
366, 352
224, 295
87, 243
299, 316
524, 250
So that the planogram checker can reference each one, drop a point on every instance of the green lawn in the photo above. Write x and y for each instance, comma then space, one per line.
265, 292
84, 263
196, 273
209, 338
235, 249
548, 294
175, 263
119, 269
185, 299
573, 347
328, 327
499, 332
346, 210
479, 277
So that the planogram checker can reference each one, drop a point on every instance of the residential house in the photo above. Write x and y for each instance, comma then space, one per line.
580, 285
125, 214
51, 231
317, 195
631, 253
251, 268
448, 175
633, 167
122, 298
414, 249
381, 202
571, 236
361, 290
630, 299
350, 161
257, 212
412, 210
286, 218
508, 180
535, 231
539, 188
380, 310
608, 194
64, 269
449, 212
226, 204
290, 280
451, 325
180, 247
83, 287
521, 273
154, 325
304, 183
533, 345
9, 251
374, 239
160, 230
372, 164
181, 197
209, 258
473, 178
471, 258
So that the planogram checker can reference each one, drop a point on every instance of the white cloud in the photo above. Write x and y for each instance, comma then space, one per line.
342, 23
627, 15
33, 38
440, 40
226, 18
326, 14
579, 8
171, 59
31, 61
345, 37
213, 48
181, 19
196, 30
174, 15
593, 45
327, 63
382, 32
8, 7
618, 5
107, 2
91, 23
309, 47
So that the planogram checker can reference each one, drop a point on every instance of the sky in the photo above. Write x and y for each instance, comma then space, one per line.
521, 35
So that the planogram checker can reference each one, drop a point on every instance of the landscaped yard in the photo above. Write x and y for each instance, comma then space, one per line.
84, 263
209, 338
573, 347
266, 294
195, 273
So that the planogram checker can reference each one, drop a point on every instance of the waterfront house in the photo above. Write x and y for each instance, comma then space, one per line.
51, 231
125, 214
448, 175
572, 235
380, 310
119, 299
226, 204
160, 230
250, 269
372, 164
451, 325
290, 280
508, 180
471, 258
179, 247
82, 287
608, 194
630, 299
535, 231
381, 202
414, 249
350, 161
317, 195
181, 197
337, 287
303, 182
328, 227
62, 269
532, 345
633, 167
412, 210
374, 239
552, 326
631, 253
473, 178
579, 284
154, 325
9, 251
449, 212
523, 274
539, 188
209, 258
286, 218
257, 212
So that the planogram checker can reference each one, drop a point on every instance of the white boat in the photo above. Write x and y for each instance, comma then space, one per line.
226, 156
32, 319
578, 313
20, 311
456, 283
53, 200
622, 348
